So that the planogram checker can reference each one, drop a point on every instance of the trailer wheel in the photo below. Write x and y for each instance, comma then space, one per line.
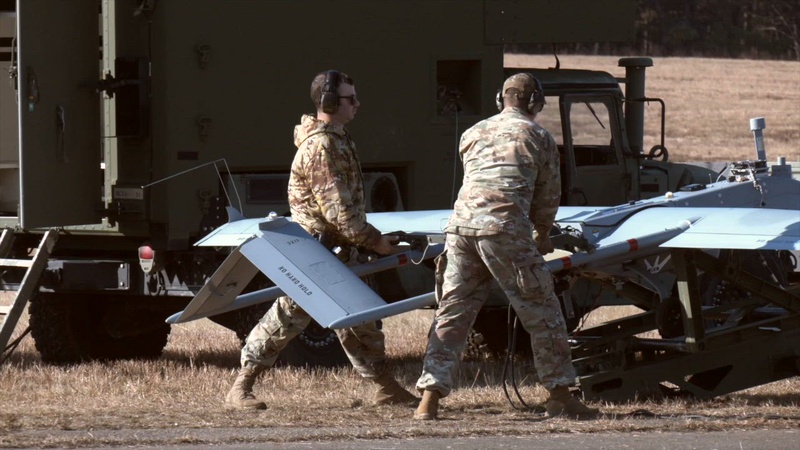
70, 328
488, 338
314, 347
669, 318
242, 321
766, 265
477, 348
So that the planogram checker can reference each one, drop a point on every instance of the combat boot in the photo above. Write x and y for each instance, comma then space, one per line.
391, 393
241, 394
429, 406
563, 403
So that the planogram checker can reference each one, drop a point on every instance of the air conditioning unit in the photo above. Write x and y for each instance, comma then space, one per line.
260, 194
381, 192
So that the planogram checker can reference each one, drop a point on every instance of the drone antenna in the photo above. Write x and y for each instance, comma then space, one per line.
219, 175
555, 55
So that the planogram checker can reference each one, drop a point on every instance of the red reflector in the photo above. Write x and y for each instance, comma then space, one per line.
402, 259
566, 262
145, 252
633, 244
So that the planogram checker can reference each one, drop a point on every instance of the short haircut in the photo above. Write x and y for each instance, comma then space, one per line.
319, 83
515, 95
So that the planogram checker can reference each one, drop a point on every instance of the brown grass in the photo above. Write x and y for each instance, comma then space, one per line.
178, 398
709, 103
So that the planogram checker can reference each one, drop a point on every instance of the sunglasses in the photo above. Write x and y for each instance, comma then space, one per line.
353, 99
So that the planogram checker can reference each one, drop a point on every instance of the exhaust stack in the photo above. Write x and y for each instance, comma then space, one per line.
757, 125
634, 99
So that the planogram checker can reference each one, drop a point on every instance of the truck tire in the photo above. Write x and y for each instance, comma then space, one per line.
69, 328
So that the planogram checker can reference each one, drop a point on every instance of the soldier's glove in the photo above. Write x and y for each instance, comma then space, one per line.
544, 244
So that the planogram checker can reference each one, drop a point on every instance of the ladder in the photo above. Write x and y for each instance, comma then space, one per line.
10, 315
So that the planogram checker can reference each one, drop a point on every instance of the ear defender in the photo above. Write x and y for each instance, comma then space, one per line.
536, 101
329, 99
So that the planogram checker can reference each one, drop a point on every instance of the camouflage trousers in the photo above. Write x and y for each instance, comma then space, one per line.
364, 345
472, 262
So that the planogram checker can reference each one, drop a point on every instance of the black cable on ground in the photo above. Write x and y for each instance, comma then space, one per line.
508, 364
13, 345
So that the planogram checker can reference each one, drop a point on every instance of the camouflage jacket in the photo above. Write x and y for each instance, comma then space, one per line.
326, 188
511, 178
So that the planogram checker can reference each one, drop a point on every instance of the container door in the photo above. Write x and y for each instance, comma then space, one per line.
59, 113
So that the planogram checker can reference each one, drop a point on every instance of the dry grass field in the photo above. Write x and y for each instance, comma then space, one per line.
709, 103
170, 400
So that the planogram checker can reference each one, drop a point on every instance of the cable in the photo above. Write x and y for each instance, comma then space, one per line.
424, 253
720, 175
222, 183
455, 163
227, 169
509, 362
12, 67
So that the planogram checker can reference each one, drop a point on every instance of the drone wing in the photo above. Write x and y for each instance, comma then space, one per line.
290, 257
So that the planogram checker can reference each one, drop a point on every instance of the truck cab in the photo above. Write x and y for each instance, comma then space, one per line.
599, 130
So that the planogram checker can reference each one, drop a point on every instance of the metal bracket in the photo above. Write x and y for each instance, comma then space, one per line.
110, 85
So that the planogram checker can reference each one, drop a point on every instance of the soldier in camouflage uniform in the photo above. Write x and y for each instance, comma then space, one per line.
499, 229
326, 197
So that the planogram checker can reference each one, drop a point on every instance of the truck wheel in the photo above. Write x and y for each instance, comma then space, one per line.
70, 328
314, 347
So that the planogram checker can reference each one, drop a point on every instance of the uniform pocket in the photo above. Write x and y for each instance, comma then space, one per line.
534, 277
441, 266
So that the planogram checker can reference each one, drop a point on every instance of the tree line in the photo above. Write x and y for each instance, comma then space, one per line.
755, 29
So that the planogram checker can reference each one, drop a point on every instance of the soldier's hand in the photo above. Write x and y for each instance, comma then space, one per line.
384, 246
544, 245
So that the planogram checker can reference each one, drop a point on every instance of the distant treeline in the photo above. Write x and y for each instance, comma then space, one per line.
757, 29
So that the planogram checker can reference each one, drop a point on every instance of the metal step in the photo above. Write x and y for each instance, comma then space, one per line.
10, 315
6, 262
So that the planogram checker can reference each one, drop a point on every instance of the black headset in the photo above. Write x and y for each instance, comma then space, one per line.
329, 100
535, 102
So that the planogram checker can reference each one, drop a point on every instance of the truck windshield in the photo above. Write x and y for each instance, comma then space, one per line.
591, 136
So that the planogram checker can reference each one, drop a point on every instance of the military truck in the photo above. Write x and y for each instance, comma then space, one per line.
128, 125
